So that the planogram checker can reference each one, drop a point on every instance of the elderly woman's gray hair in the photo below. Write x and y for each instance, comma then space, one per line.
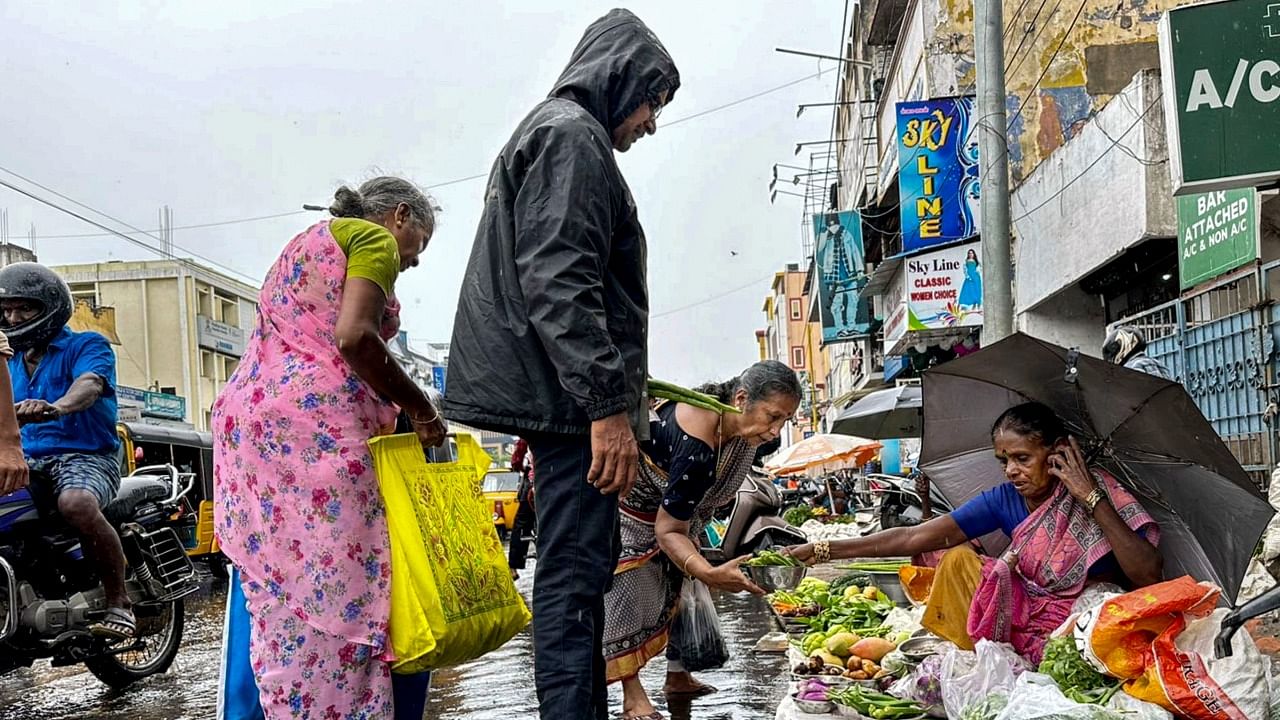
378, 196
762, 380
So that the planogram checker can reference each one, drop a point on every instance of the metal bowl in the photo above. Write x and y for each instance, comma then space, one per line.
919, 648
775, 577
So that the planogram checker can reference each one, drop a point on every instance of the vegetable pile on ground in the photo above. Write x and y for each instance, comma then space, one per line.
874, 704
845, 605
1077, 679
772, 558
847, 634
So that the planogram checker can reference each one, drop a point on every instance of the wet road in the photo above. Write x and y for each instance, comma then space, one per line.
499, 686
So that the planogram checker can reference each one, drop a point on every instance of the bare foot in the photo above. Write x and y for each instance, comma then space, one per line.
682, 683
635, 701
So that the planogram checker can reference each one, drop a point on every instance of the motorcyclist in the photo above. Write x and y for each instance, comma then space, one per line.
64, 387
1126, 345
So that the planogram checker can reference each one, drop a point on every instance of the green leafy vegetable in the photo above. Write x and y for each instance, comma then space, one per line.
1077, 679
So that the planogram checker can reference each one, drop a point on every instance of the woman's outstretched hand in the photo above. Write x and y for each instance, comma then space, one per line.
730, 578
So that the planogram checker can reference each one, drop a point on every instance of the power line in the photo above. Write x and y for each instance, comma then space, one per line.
1022, 106
1014, 62
748, 98
219, 223
677, 121
712, 298
135, 241
446, 183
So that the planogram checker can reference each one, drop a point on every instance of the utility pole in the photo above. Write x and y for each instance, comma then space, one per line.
993, 171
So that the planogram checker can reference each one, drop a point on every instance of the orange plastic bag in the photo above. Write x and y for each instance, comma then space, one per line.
1159, 640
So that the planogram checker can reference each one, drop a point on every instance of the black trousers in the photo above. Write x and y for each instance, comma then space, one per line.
578, 548
526, 521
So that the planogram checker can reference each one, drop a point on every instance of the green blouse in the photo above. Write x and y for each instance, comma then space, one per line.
372, 251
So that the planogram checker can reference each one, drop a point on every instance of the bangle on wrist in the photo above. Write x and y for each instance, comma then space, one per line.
1095, 497
684, 564
822, 551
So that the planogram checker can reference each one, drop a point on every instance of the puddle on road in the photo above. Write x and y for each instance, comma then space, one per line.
499, 686
186, 692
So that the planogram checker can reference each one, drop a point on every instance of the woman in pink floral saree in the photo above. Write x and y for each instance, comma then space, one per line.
1070, 526
297, 507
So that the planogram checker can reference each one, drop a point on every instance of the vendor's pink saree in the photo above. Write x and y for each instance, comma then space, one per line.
1029, 591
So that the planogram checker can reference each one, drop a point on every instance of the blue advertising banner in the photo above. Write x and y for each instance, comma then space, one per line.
438, 377
938, 188
842, 274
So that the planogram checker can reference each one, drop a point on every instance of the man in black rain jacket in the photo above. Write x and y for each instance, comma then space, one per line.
550, 338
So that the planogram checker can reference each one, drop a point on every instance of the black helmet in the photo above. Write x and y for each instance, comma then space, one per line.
42, 286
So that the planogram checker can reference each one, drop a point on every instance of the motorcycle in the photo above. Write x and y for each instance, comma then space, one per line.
900, 503
754, 523
50, 595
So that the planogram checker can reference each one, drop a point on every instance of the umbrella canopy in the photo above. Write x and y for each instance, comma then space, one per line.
823, 453
890, 413
1143, 429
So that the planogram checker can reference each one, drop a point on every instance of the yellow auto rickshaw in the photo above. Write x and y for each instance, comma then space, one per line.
145, 446
500, 488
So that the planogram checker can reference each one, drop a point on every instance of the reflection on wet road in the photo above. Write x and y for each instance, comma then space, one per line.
499, 686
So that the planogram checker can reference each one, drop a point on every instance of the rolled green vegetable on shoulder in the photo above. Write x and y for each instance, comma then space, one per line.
675, 393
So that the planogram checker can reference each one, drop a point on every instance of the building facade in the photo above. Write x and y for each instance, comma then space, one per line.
181, 327
791, 337
1095, 223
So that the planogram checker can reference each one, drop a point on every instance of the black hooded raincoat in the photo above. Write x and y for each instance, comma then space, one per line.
551, 327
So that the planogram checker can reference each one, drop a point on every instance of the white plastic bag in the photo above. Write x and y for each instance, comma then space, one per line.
969, 677
1244, 677
1271, 536
1037, 697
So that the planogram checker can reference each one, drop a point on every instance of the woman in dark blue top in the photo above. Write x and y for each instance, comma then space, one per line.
1069, 524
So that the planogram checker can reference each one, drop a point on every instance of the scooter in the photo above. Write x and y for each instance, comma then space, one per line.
1261, 605
754, 522
900, 504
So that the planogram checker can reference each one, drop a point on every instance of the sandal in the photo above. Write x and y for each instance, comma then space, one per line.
655, 715
117, 624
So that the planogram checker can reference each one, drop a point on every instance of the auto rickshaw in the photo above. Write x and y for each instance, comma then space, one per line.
190, 452
499, 490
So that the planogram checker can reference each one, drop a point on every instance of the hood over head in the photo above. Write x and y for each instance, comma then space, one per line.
618, 65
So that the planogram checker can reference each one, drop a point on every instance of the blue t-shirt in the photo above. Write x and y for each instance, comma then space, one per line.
1002, 508
70, 355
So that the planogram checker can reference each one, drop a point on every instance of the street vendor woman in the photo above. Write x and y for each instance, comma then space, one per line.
1071, 526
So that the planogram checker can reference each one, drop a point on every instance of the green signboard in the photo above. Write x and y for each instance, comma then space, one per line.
1220, 63
1217, 233
164, 405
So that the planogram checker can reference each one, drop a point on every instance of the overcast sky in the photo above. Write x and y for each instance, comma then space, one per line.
239, 109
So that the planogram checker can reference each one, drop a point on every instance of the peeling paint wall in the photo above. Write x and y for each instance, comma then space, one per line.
1054, 61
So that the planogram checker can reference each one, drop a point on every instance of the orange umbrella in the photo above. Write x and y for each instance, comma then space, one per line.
823, 453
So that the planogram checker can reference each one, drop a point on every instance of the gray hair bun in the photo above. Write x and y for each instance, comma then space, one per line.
347, 203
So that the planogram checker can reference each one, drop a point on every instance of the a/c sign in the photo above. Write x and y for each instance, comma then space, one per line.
1221, 67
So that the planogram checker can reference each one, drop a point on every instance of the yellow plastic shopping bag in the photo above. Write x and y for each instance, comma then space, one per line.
452, 599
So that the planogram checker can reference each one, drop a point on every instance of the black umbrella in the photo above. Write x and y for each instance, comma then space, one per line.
890, 413
1145, 430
